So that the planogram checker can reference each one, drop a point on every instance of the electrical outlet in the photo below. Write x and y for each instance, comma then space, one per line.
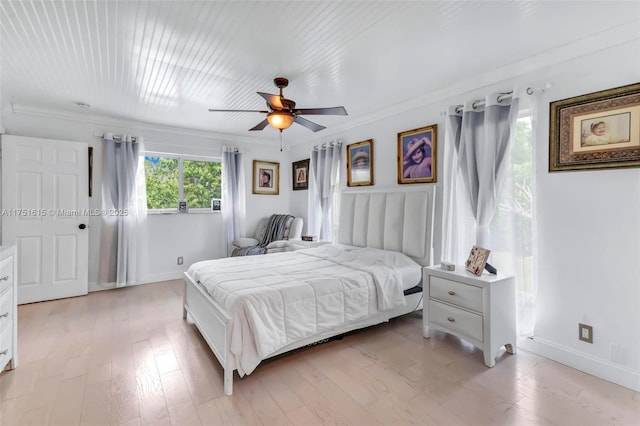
180, 260
585, 333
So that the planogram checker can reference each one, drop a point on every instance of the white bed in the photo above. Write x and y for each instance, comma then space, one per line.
247, 317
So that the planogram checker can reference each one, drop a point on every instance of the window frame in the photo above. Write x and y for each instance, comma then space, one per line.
181, 158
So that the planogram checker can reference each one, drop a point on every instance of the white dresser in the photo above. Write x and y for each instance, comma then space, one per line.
8, 309
480, 310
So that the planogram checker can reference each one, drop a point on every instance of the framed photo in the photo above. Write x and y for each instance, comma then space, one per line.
266, 177
183, 207
300, 174
477, 259
599, 130
360, 163
417, 150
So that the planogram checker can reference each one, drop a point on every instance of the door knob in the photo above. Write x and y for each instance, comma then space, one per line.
82, 226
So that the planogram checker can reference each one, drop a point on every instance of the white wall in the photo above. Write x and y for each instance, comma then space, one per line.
588, 262
193, 236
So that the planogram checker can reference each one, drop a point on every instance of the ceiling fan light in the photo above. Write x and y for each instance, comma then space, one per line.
280, 120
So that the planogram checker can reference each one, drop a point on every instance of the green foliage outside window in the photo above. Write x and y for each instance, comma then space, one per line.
162, 182
201, 181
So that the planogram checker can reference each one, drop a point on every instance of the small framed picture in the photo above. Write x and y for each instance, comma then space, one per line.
360, 163
266, 177
183, 207
477, 259
417, 155
300, 174
599, 130
215, 204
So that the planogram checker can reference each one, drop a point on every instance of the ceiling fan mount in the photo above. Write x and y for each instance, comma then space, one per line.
282, 112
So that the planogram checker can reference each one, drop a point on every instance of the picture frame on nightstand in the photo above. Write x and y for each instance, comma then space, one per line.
477, 260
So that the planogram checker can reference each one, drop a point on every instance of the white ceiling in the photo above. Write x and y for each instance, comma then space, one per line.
167, 62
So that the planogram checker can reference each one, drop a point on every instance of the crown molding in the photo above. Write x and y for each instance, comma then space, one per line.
606, 39
135, 125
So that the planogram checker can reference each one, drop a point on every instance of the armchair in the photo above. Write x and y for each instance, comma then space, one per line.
272, 235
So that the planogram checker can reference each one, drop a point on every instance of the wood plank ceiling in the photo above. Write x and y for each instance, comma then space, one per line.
168, 61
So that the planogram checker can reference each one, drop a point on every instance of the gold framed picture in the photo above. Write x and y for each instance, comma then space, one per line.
360, 163
266, 177
417, 155
599, 130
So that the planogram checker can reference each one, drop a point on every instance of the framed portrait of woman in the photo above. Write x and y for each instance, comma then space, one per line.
360, 163
266, 177
300, 174
417, 150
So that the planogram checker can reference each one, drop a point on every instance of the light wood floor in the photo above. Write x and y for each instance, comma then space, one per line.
127, 357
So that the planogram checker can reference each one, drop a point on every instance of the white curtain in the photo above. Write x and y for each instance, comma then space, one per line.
233, 202
123, 251
501, 193
483, 138
323, 176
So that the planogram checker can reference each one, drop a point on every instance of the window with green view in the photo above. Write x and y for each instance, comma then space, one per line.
170, 179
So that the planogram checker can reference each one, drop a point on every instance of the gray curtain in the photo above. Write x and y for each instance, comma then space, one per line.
323, 176
482, 138
123, 251
233, 202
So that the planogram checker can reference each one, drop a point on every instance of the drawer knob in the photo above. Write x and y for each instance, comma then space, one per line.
6, 314
5, 278
6, 351
451, 293
451, 319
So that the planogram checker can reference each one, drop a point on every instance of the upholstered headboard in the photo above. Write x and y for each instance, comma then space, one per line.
395, 220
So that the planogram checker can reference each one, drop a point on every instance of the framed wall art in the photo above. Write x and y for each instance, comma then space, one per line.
266, 177
598, 130
300, 174
360, 163
417, 155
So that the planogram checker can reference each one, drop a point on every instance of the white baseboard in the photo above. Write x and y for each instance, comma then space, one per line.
598, 367
153, 278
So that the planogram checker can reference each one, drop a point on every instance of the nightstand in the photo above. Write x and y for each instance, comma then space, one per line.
300, 244
480, 310
8, 308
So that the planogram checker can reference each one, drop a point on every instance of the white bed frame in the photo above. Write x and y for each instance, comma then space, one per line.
400, 221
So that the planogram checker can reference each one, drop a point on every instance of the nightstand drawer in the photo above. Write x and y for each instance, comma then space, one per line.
6, 273
6, 309
458, 320
6, 346
455, 293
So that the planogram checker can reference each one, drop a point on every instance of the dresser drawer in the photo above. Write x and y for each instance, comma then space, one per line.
464, 322
6, 309
6, 273
6, 346
455, 293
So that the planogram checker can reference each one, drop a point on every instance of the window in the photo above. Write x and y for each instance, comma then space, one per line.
171, 179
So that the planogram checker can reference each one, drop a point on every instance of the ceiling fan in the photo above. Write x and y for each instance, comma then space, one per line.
283, 113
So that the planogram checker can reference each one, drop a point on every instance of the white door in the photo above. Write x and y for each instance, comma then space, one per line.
45, 214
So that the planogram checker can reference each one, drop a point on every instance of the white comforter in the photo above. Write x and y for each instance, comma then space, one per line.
281, 298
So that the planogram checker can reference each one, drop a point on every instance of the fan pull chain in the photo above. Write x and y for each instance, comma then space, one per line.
280, 138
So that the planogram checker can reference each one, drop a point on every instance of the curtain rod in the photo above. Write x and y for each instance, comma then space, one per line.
324, 145
117, 138
480, 102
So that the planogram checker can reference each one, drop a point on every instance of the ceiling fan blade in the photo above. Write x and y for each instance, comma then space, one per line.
273, 100
309, 124
322, 111
261, 125
239, 110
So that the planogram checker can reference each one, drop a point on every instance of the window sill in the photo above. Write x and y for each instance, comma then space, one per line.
194, 211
